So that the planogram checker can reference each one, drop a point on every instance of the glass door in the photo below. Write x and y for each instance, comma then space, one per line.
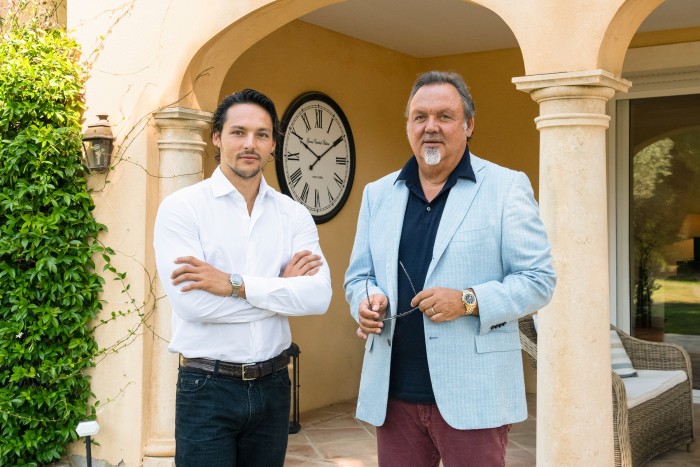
664, 221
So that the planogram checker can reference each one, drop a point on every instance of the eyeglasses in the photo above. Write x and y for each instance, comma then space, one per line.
398, 315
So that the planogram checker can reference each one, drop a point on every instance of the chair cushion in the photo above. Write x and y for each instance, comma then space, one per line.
621, 363
650, 384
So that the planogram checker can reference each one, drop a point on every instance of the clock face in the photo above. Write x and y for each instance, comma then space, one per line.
316, 161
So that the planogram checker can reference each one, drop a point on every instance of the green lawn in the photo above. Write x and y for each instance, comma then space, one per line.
679, 303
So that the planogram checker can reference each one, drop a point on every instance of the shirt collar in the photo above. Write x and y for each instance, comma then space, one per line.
221, 186
409, 172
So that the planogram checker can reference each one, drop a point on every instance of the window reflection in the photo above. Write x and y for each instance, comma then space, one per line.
665, 221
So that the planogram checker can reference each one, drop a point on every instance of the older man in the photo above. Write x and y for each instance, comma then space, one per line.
449, 253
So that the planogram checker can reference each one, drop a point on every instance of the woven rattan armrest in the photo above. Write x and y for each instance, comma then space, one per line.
647, 355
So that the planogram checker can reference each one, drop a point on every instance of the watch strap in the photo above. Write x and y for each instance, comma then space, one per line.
237, 282
469, 302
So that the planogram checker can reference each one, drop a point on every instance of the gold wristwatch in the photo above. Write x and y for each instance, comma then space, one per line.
469, 302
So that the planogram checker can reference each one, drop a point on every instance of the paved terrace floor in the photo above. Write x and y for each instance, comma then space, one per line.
333, 436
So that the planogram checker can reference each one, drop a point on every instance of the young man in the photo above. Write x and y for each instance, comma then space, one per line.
236, 259
449, 253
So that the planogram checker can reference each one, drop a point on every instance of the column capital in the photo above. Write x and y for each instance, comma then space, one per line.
593, 78
182, 116
181, 144
572, 99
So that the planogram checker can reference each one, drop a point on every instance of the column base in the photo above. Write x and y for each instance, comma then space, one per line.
160, 448
158, 461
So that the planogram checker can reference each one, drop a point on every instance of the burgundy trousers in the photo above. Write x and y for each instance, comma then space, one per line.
416, 435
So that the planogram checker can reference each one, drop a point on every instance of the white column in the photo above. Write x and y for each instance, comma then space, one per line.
181, 147
574, 387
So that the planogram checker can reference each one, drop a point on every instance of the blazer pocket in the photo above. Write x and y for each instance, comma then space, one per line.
498, 341
477, 235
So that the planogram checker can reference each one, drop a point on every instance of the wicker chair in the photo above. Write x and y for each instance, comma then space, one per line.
652, 427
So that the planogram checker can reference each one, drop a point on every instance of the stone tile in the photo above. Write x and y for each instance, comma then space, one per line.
342, 421
346, 450
517, 457
528, 426
524, 441
307, 451
297, 438
332, 436
355, 462
292, 462
320, 435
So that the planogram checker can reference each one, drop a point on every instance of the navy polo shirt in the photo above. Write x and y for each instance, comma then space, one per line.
409, 377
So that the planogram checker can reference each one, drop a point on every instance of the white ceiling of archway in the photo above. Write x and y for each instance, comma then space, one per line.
432, 28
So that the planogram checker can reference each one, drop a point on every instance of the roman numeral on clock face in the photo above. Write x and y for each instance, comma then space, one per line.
305, 193
295, 177
305, 118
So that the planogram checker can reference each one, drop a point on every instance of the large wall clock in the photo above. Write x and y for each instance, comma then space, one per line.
316, 160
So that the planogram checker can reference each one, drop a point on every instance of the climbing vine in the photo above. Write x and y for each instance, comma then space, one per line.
49, 288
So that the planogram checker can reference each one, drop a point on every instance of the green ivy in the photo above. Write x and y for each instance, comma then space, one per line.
49, 290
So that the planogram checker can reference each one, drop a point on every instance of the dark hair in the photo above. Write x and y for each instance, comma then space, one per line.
445, 77
246, 96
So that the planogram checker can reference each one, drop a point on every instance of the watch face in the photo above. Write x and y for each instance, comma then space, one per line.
469, 298
316, 160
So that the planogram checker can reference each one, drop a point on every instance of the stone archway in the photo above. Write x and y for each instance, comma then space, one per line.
572, 90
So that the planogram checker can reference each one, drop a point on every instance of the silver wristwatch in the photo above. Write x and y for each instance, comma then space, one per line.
237, 282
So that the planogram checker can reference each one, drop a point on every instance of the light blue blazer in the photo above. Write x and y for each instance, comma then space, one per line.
491, 239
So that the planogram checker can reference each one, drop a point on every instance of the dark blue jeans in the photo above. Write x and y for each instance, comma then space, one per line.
226, 422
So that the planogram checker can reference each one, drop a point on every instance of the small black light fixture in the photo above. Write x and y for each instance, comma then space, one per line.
85, 430
98, 142
294, 425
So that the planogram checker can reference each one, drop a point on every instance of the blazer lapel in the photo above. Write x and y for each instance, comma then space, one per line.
458, 203
397, 211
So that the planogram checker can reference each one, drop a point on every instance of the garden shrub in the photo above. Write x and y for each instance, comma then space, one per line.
48, 237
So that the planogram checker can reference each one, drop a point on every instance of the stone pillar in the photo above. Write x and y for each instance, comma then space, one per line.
574, 387
181, 147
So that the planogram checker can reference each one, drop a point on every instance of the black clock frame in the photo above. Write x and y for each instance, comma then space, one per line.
279, 169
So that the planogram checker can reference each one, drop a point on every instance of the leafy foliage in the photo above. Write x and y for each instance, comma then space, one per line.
48, 286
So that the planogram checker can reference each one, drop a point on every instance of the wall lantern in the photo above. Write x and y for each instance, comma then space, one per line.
97, 145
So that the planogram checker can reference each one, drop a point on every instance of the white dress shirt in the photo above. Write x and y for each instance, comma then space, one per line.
210, 221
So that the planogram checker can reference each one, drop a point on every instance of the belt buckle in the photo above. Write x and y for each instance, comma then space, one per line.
243, 367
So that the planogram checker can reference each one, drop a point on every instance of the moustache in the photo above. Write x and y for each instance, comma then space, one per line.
249, 152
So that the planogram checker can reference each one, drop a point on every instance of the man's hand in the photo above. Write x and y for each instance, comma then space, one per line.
440, 304
202, 276
303, 263
371, 315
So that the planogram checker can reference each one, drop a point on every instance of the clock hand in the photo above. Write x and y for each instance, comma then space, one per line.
301, 140
335, 143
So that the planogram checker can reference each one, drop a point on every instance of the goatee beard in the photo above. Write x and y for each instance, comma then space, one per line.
431, 156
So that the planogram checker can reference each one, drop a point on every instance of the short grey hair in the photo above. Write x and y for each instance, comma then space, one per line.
446, 77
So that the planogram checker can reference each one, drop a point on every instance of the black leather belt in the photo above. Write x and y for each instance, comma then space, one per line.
244, 371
